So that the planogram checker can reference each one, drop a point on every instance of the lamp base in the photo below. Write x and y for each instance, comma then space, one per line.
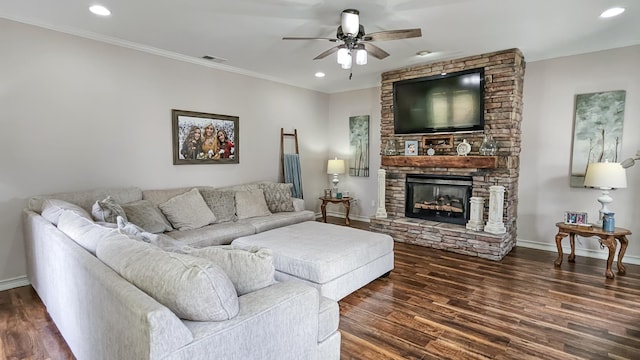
335, 185
605, 200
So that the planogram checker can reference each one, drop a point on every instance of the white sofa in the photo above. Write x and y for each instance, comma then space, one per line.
103, 316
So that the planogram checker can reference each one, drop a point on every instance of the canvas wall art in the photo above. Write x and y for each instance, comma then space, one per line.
597, 131
359, 145
202, 138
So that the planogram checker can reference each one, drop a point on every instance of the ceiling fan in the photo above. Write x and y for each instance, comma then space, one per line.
355, 42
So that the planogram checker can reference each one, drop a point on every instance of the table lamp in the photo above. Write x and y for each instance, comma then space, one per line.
605, 176
335, 167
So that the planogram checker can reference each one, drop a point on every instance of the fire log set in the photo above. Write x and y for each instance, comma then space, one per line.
442, 203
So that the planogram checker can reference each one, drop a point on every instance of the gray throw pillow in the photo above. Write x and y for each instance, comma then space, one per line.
222, 204
249, 269
278, 196
107, 210
146, 215
187, 211
193, 288
250, 204
53, 208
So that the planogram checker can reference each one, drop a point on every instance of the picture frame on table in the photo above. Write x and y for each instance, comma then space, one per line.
576, 218
411, 147
204, 139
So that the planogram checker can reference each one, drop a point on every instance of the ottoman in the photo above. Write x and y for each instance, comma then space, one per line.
336, 260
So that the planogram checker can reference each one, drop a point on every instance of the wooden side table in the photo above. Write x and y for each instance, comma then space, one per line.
607, 239
346, 201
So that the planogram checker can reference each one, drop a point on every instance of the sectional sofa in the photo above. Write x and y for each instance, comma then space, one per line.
115, 294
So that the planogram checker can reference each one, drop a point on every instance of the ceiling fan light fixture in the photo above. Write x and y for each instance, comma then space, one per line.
361, 57
350, 22
347, 64
343, 56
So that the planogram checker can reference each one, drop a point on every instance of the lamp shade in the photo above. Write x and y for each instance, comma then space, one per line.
605, 175
335, 166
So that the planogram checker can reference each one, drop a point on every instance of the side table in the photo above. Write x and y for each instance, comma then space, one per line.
607, 238
346, 201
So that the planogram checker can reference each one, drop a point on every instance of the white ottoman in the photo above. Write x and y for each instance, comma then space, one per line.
336, 260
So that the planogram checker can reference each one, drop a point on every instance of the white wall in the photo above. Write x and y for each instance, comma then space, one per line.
79, 114
363, 189
550, 87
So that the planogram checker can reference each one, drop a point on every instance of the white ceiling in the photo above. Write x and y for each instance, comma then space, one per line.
248, 33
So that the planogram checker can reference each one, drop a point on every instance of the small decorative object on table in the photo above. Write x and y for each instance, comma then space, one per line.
576, 218
327, 193
345, 194
464, 148
608, 222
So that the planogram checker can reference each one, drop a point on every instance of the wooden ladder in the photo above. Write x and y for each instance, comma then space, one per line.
282, 136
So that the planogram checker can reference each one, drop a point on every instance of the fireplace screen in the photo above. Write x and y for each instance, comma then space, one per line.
438, 198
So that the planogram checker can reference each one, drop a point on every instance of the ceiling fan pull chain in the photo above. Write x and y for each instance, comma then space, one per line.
350, 73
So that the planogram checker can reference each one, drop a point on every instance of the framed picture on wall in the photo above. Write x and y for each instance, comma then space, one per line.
359, 145
411, 147
204, 139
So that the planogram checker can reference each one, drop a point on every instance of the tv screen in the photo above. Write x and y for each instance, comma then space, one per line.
441, 103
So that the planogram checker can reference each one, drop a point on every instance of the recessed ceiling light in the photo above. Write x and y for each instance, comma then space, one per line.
319, 74
100, 10
614, 11
423, 53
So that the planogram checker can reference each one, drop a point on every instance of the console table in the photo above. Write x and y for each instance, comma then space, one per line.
607, 239
346, 201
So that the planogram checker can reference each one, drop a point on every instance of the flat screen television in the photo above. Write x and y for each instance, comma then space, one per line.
441, 103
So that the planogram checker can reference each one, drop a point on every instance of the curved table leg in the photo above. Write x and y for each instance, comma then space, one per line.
347, 206
323, 208
623, 248
559, 236
572, 242
610, 242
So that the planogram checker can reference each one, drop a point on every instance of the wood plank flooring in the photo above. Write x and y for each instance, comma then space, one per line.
439, 305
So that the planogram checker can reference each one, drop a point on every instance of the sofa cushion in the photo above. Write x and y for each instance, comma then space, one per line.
249, 269
193, 288
215, 234
250, 204
107, 210
278, 196
85, 199
82, 230
146, 215
187, 211
264, 223
53, 208
221, 203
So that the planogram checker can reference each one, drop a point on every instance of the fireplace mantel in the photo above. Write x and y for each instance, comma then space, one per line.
477, 162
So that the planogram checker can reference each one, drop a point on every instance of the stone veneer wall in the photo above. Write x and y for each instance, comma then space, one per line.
504, 76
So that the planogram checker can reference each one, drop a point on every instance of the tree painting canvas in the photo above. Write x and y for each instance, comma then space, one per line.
597, 131
359, 145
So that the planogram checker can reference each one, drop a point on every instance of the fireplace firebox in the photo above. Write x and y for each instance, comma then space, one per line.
441, 198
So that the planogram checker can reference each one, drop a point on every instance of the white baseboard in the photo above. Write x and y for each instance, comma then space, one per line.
14, 283
596, 254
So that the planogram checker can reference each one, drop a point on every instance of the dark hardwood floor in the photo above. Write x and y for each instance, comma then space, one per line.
439, 305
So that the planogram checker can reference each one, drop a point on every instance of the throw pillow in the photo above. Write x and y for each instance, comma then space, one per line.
83, 231
187, 211
251, 204
107, 210
193, 288
146, 215
249, 269
278, 196
53, 208
162, 241
221, 203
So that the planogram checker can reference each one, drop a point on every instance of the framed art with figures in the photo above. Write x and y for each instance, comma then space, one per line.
203, 139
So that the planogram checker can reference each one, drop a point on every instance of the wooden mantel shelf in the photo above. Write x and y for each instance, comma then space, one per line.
478, 162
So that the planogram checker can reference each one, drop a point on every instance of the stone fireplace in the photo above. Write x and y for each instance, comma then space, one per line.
438, 198
504, 74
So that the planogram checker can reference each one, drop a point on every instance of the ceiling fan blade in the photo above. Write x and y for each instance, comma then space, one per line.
375, 51
393, 35
327, 53
309, 38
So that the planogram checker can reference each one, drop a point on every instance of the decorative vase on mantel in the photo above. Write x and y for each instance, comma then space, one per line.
488, 146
